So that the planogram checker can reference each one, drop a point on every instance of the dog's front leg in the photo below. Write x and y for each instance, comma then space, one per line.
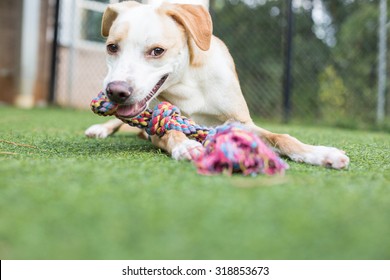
291, 147
110, 127
178, 145
103, 130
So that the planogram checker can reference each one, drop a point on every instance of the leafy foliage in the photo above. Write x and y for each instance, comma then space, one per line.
355, 57
332, 79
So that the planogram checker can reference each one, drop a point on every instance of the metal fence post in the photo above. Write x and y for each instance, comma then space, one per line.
54, 61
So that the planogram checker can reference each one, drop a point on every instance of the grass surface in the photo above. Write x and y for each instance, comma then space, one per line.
68, 197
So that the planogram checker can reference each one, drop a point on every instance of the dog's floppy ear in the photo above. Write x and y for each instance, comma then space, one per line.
112, 12
196, 21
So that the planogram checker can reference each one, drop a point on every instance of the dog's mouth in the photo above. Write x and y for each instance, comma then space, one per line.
129, 111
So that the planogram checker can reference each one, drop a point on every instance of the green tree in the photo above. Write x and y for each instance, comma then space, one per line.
255, 36
355, 59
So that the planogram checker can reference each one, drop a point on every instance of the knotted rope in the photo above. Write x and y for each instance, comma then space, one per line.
163, 117
228, 149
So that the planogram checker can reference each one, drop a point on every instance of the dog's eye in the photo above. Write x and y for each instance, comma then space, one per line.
156, 52
112, 48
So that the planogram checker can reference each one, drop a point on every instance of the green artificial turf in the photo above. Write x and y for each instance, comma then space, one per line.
64, 196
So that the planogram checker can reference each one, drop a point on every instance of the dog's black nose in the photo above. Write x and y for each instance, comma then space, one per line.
118, 91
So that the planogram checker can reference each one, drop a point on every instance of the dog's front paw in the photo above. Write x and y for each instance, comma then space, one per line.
97, 131
325, 156
335, 158
187, 150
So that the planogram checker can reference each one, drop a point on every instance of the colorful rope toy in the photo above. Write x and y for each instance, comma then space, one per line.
228, 148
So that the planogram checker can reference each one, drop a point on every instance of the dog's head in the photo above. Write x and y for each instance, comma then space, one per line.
148, 49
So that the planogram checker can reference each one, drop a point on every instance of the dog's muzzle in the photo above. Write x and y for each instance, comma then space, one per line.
124, 110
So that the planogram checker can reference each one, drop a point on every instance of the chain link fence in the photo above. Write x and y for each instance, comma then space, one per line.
333, 63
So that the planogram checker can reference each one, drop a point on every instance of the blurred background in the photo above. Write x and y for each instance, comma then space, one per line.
313, 61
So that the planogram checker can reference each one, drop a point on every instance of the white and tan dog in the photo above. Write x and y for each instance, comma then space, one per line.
168, 53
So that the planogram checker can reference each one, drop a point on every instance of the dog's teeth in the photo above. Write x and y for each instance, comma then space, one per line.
155, 88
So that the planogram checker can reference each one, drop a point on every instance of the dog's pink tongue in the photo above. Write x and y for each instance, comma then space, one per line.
130, 110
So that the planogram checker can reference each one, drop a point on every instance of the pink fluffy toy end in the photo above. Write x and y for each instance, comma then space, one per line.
232, 148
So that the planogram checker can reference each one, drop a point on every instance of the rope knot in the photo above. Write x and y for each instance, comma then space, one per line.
102, 106
163, 117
